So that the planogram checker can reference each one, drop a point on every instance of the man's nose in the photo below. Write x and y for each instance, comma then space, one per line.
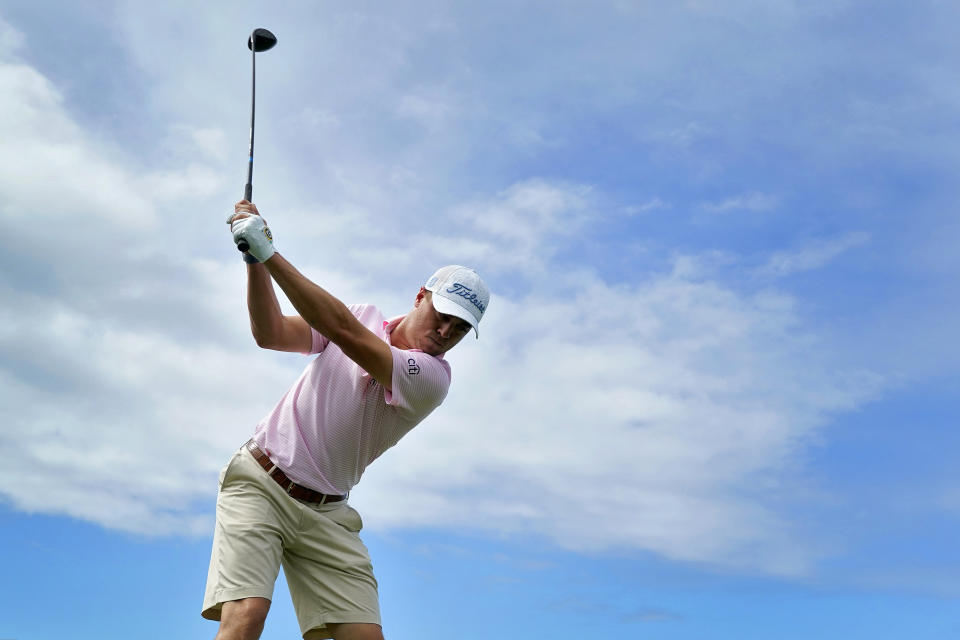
445, 328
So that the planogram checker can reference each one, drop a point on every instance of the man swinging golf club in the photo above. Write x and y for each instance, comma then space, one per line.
283, 495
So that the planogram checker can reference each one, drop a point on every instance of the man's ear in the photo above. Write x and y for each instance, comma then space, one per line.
421, 296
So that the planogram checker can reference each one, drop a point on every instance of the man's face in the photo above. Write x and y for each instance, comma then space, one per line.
431, 331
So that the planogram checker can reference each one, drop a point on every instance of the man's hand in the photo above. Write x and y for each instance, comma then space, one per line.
247, 224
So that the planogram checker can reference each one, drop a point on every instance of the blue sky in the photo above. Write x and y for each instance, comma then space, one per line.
715, 395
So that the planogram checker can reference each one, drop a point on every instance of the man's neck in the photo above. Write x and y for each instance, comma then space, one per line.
398, 337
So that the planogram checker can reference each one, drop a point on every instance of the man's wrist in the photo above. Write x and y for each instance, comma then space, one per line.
250, 259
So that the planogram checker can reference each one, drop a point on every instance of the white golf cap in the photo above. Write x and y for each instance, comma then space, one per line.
459, 291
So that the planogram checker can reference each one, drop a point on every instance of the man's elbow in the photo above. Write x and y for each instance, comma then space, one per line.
263, 342
290, 334
276, 344
264, 338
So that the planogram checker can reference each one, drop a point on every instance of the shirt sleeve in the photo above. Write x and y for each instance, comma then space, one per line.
420, 382
318, 342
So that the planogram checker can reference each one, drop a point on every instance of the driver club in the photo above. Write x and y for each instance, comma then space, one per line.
259, 40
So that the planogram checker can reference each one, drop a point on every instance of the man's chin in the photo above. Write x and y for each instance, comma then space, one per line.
432, 347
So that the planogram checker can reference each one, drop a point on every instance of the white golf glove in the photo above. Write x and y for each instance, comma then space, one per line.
257, 234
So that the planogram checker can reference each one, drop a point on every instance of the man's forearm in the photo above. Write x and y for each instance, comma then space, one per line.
266, 317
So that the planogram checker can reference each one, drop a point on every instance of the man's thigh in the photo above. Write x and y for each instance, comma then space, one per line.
329, 573
247, 541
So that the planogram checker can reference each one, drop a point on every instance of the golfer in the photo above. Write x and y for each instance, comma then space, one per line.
283, 496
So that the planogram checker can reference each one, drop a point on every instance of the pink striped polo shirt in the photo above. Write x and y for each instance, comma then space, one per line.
336, 419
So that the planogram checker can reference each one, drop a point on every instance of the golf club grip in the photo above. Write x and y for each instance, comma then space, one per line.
247, 195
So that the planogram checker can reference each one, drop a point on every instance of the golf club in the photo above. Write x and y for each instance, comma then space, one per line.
260, 40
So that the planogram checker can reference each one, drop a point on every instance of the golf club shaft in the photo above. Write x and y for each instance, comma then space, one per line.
248, 188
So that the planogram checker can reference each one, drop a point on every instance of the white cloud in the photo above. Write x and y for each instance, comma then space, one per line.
600, 416
812, 256
949, 500
11, 40
188, 141
174, 186
316, 118
518, 231
47, 167
119, 386
118, 426
658, 412
642, 416
753, 201
684, 136
431, 111
654, 204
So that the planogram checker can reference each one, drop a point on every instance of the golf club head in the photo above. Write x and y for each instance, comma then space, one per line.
261, 40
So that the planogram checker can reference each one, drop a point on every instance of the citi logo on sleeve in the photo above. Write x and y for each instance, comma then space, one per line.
412, 367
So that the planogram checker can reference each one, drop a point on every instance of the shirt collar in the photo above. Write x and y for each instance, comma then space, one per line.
391, 324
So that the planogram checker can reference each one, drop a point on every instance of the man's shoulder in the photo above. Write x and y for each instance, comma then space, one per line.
369, 316
364, 309
417, 359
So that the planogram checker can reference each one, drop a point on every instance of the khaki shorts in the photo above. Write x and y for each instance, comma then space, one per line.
259, 528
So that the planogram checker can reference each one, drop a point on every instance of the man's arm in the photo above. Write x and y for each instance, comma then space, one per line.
271, 329
332, 318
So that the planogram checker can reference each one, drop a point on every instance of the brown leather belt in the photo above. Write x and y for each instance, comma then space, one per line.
294, 490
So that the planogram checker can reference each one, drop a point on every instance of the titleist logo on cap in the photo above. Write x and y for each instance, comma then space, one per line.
466, 292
